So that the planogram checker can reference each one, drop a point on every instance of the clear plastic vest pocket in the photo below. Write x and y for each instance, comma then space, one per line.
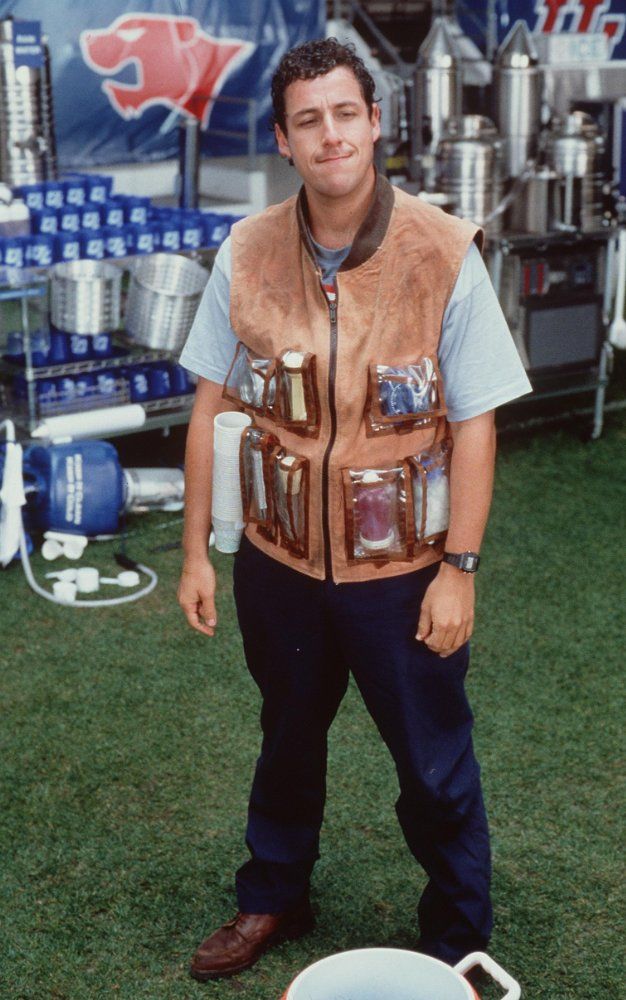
257, 447
275, 491
378, 513
284, 389
389, 512
251, 382
298, 401
430, 484
404, 397
290, 482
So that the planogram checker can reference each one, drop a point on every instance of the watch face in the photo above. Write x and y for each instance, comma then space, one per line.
466, 561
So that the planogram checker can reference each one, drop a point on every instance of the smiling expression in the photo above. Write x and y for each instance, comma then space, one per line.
330, 133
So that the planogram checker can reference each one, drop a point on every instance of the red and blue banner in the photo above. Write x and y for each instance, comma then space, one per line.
564, 16
124, 73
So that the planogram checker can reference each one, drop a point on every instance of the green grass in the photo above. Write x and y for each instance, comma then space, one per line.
128, 745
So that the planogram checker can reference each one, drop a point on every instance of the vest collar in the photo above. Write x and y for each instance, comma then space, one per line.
370, 234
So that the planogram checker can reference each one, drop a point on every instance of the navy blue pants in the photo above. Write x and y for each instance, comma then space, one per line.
302, 637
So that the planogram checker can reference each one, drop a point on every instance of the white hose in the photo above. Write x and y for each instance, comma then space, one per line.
108, 602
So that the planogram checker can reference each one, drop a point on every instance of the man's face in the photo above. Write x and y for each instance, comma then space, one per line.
329, 133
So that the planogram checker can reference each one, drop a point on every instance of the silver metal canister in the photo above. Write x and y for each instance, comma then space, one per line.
469, 168
574, 147
436, 95
27, 145
530, 211
85, 296
153, 489
163, 297
518, 83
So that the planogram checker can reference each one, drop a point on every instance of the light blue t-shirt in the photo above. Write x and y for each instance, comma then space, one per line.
479, 363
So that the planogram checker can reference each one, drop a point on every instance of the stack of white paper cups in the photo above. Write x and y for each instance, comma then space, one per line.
227, 512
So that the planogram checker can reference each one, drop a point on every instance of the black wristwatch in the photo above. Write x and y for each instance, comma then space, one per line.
467, 562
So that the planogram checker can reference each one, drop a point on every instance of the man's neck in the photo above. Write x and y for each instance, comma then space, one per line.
334, 222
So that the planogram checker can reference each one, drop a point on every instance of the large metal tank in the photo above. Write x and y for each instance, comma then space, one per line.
437, 94
27, 147
469, 169
393, 118
518, 83
574, 150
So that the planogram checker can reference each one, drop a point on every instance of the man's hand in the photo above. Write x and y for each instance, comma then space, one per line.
447, 614
196, 595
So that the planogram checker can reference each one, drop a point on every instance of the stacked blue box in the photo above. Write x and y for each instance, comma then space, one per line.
83, 218
156, 380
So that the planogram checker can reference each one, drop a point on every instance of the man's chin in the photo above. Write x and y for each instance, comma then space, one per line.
337, 187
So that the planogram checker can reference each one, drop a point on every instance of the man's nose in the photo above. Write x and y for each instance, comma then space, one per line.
330, 132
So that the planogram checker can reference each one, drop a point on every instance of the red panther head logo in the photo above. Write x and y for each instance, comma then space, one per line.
178, 64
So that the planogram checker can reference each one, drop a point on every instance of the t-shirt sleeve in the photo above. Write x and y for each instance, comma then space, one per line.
211, 344
479, 363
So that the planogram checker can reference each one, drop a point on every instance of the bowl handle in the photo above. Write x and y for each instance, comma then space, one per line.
493, 969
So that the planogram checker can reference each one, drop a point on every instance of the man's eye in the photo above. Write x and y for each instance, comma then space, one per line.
307, 121
347, 114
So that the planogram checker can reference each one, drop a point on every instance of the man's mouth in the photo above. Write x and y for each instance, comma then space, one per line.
333, 159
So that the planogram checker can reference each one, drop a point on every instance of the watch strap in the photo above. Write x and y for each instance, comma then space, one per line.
467, 562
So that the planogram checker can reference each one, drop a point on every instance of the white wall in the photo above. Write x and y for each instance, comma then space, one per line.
237, 184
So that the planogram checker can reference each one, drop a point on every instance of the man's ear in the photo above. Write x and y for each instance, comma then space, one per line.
282, 143
375, 120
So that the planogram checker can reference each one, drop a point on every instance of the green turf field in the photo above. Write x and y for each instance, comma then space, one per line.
128, 744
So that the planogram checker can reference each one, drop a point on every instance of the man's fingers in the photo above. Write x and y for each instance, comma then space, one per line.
206, 607
438, 640
200, 619
424, 625
196, 624
446, 641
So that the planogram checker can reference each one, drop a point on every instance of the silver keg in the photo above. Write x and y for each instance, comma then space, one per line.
574, 148
27, 146
518, 82
469, 169
437, 94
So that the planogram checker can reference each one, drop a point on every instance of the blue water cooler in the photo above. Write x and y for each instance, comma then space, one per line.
79, 488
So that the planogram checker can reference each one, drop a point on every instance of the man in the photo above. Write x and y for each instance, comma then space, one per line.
345, 301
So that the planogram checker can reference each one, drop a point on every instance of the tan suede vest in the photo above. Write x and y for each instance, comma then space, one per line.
392, 292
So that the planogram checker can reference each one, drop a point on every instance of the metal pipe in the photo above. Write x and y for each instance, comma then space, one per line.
606, 361
189, 162
384, 43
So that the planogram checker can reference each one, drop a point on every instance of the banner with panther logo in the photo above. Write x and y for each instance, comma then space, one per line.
125, 73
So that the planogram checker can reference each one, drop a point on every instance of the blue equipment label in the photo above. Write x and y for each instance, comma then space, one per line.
74, 485
27, 47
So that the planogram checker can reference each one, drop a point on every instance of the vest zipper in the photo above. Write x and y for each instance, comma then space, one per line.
332, 370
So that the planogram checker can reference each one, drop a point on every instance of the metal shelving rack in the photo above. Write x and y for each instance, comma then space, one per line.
591, 375
29, 287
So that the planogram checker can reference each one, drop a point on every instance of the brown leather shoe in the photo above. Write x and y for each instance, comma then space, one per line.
240, 942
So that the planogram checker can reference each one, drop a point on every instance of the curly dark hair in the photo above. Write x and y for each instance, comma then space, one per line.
313, 59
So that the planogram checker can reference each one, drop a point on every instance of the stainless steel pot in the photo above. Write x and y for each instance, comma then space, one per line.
469, 168
164, 294
573, 149
530, 211
85, 296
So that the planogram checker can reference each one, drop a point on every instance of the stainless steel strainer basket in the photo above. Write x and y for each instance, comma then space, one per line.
164, 294
85, 296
